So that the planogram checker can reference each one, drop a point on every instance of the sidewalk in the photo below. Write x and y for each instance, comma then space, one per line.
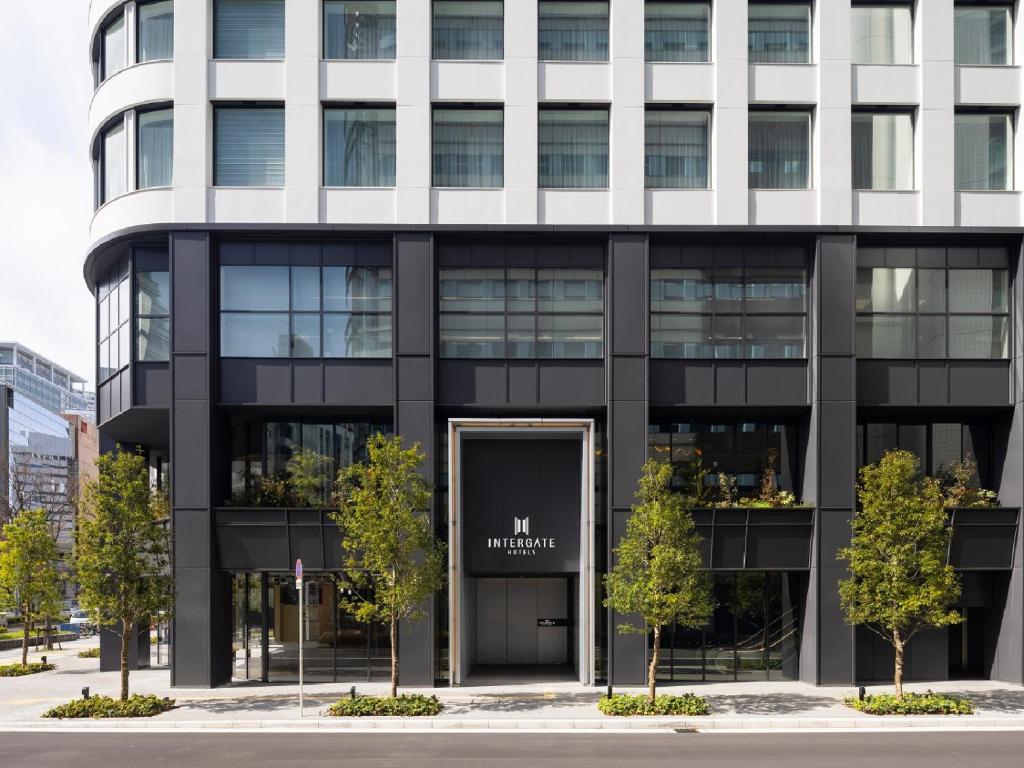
530, 706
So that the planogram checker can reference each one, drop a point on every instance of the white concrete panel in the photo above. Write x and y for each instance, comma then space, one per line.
358, 80
412, 205
627, 29
783, 207
357, 206
572, 81
413, 28
896, 84
988, 86
680, 83
679, 206
248, 80
988, 209
248, 205
520, 30
729, 164
467, 206
467, 80
875, 208
573, 206
783, 83
521, 148
140, 84
148, 206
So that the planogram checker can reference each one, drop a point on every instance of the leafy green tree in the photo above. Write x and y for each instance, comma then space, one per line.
123, 553
309, 477
659, 572
900, 582
392, 560
29, 581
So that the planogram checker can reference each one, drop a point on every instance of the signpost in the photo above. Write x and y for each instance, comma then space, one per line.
299, 588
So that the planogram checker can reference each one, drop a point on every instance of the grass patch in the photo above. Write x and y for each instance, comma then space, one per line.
104, 706
912, 704
626, 706
18, 670
406, 705
89, 653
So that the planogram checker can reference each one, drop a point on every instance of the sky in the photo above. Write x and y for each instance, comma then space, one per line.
46, 180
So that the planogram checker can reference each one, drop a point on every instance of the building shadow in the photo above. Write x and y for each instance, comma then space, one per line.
768, 703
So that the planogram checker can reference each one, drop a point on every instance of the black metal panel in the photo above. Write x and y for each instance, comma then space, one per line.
777, 383
359, 382
522, 384
472, 382
192, 460
306, 542
546, 384
740, 383
579, 384
307, 381
959, 383
152, 384
254, 547
979, 383
413, 294
835, 268
983, 539
628, 433
780, 547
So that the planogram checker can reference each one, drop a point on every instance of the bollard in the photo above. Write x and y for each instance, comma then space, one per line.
85, 692
860, 693
43, 659
609, 694
352, 693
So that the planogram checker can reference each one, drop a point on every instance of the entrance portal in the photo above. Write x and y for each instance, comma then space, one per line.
523, 621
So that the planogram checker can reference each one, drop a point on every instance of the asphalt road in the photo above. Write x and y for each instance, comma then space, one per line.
527, 750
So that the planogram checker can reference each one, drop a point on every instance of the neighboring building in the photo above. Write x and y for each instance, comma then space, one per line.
546, 240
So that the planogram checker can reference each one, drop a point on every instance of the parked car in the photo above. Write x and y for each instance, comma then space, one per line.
80, 620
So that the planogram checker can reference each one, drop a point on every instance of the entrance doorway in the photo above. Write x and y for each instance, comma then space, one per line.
523, 621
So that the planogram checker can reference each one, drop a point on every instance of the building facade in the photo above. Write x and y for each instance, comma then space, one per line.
546, 240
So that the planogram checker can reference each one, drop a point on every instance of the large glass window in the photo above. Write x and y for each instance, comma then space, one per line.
932, 313
155, 150
469, 147
677, 144
248, 29
113, 57
249, 147
573, 148
779, 150
749, 312
521, 312
152, 309
114, 322
469, 29
882, 34
883, 150
572, 30
983, 151
305, 311
359, 147
983, 36
677, 31
779, 33
113, 160
156, 30
937, 444
359, 29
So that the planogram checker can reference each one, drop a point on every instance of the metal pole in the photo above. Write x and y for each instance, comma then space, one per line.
302, 601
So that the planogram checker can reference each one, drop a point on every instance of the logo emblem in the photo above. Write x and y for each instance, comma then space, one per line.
522, 526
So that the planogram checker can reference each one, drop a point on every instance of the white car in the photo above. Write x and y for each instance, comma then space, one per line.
81, 621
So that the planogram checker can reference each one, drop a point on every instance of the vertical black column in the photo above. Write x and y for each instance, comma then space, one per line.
197, 659
414, 412
827, 653
626, 365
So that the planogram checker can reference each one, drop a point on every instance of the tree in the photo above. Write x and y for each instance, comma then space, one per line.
659, 572
309, 477
392, 560
123, 553
28, 576
900, 582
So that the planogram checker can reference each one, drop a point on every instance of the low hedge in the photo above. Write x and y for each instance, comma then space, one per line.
89, 653
18, 670
625, 706
406, 705
912, 704
104, 706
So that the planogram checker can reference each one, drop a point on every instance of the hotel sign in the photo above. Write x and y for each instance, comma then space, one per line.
521, 543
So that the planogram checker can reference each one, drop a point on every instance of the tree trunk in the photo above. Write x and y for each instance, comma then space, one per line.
652, 670
126, 640
897, 644
394, 658
48, 634
26, 630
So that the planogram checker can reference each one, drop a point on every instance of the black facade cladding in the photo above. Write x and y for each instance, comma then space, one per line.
826, 396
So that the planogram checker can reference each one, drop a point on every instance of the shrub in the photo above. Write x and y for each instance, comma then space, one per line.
104, 706
89, 653
19, 670
626, 706
912, 704
406, 705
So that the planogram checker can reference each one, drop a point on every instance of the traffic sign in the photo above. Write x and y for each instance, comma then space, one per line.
298, 569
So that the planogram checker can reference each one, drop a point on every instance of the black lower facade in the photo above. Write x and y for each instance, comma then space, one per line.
538, 370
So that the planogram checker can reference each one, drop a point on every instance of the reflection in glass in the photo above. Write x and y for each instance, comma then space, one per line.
359, 147
779, 33
254, 288
978, 290
573, 147
572, 31
883, 151
677, 31
882, 336
978, 338
779, 150
254, 334
115, 180
677, 148
569, 336
154, 340
882, 35
357, 335
983, 151
474, 336
469, 147
357, 289
114, 48
468, 29
156, 148
359, 29
156, 30
885, 289
982, 36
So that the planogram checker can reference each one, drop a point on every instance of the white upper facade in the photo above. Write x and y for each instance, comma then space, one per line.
932, 89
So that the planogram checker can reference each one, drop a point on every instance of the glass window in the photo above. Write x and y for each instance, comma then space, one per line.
156, 148
469, 29
882, 34
569, 290
978, 338
156, 30
983, 35
779, 33
681, 290
114, 54
681, 336
254, 288
472, 290
113, 157
886, 336
359, 29
357, 335
359, 147
780, 150
357, 289
979, 290
254, 334
305, 335
770, 290
568, 336
677, 149
114, 327
885, 289
305, 289
249, 147
248, 29
573, 148
572, 30
883, 151
469, 147
983, 153
154, 339
474, 335
931, 337
153, 293
677, 31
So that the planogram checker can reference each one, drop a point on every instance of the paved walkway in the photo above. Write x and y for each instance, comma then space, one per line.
539, 705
